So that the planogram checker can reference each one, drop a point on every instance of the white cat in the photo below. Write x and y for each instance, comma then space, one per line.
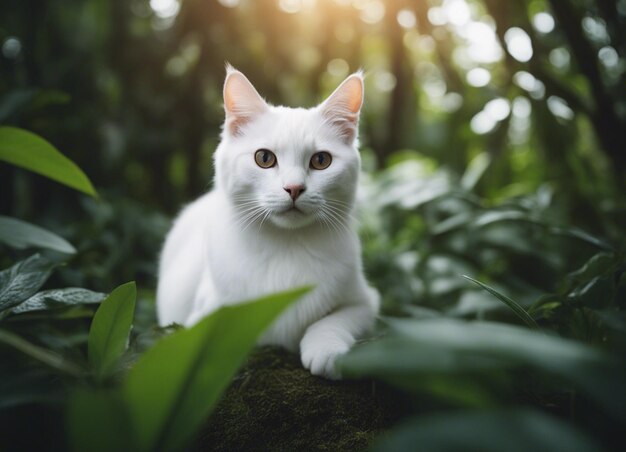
279, 217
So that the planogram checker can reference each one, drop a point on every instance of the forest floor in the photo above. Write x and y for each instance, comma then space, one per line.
275, 404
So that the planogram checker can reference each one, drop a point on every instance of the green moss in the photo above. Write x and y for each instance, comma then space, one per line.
275, 404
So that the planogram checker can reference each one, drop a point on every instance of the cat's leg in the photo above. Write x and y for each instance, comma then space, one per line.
334, 334
204, 300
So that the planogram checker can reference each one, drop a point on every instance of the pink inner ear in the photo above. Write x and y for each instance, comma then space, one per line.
241, 102
353, 94
342, 108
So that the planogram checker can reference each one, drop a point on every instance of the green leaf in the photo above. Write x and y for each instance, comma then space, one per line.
514, 305
29, 151
58, 298
47, 357
516, 430
174, 385
23, 280
20, 235
98, 421
108, 335
417, 348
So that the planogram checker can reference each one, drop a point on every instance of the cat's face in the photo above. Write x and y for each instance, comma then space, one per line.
289, 167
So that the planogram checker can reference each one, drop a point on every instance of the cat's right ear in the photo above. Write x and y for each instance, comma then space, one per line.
343, 106
242, 103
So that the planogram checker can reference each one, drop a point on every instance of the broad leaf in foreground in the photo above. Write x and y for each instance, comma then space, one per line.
517, 430
29, 151
97, 421
108, 335
174, 386
417, 348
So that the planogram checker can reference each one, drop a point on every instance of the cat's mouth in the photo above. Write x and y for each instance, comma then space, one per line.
292, 217
291, 209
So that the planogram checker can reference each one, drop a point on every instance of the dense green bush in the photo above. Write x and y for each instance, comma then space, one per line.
492, 211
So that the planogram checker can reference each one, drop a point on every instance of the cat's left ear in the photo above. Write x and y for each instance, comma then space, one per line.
343, 106
242, 103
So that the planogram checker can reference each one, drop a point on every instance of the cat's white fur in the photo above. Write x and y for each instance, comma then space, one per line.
241, 240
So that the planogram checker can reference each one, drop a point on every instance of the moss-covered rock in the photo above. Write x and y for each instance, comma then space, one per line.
275, 404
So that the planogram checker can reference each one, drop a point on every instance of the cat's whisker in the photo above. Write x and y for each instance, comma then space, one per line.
331, 222
246, 204
243, 219
347, 212
248, 209
337, 219
254, 218
268, 212
324, 220
339, 211
339, 201
344, 206
246, 216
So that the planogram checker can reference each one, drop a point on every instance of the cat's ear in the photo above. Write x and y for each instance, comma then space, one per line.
242, 102
343, 106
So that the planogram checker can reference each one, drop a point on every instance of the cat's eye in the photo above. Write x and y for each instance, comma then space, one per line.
320, 160
265, 158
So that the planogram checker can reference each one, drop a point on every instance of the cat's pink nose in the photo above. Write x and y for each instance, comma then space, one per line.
294, 190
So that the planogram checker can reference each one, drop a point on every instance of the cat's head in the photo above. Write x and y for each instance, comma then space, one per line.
289, 167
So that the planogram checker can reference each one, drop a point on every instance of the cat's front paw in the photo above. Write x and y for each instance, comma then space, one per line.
318, 355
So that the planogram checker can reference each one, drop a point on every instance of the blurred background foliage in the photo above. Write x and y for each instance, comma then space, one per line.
493, 140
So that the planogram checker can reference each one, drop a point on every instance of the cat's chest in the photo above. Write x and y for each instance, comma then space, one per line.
250, 266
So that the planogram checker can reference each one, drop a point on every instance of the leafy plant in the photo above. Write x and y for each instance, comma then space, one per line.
174, 385
171, 388
454, 347
110, 327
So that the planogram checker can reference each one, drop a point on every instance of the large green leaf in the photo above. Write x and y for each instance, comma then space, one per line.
108, 335
23, 280
415, 348
58, 298
21, 235
98, 421
27, 150
174, 386
517, 430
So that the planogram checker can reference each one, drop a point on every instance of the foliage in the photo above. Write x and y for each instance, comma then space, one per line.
492, 138
159, 405
520, 429
27, 150
424, 230
110, 327
173, 387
